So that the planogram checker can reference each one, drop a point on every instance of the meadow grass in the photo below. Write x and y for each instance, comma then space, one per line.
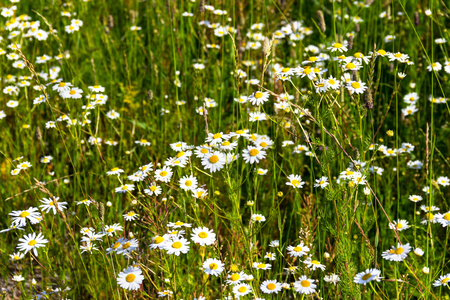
225, 149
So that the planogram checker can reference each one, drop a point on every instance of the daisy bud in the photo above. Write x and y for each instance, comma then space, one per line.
426, 270
249, 277
134, 202
250, 203
326, 255
217, 193
66, 180
428, 12
418, 252
390, 133
366, 191
167, 280
280, 194
109, 204
33, 281
131, 235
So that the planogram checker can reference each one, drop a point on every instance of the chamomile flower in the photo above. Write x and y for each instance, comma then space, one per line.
314, 264
177, 246
338, 47
203, 236
442, 280
213, 266
163, 174
271, 287
298, 251
159, 241
443, 219
153, 189
357, 87
304, 285
130, 216
399, 225
253, 154
258, 98
16, 256
258, 218
188, 183
31, 242
111, 229
130, 278
125, 188
128, 247
398, 253
235, 278
415, 198
295, 181
53, 205
241, 290
214, 161
19, 217
321, 182
367, 276
261, 266
443, 180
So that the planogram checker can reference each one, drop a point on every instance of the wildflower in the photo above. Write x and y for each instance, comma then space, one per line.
357, 87
125, 188
31, 242
295, 181
130, 216
398, 253
128, 247
111, 229
241, 289
24, 165
321, 182
444, 181
298, 251
16, 256
415, 198
165, 293
442, 280
153, 190
214, 161
418, 251
188, 183
177, 246
213, 267
304, 285
20, 217
443, 219
258, 98
163, 174
143, 142
338, 47
332, 278
203, 236
274, 244
314, 264
367, 276
236, 278
258, 218
53, 205
399, 225
262, 266
159, 241
18, 278
436, 66
270, 287
130, 278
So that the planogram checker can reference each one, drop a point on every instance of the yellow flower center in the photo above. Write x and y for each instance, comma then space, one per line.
163, 173
130, 277
312, 59
114, 169
177, 245
316, 262
72, 92
445, 280
398, 55
242, 289
213, 266
126, 245
203, 235
321, 85
32, 242
61, 84
258, 218
204, 151
447, 217
305, 283
153, 188
110, 229
271, 286
116, 245
24, 214
298, 249
429, 216
16, 257
179, 223
381, 52
226, 143
213, 159
261, 266
322, 182
358, 55
217, 135
399, 250
337, 45
253, 152
235, 277
258, 95
159, 240
356, 85
295, 182
367, 276
285, 70
350, 66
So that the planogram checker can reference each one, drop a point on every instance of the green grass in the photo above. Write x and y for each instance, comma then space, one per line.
345, 229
